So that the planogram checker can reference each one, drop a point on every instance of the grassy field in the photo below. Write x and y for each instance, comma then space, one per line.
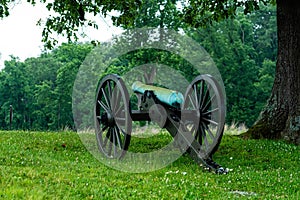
56, 165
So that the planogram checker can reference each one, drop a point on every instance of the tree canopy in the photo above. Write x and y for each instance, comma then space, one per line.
70, 15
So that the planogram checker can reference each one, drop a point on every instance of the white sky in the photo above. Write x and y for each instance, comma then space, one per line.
21, 37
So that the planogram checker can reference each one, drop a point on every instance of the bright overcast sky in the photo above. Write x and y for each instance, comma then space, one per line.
20, 37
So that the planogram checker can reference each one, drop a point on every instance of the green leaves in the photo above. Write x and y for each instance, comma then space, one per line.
4, 9
243, 50
40, 89
70, 15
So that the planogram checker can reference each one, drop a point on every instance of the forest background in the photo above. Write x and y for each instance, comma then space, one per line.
243, 48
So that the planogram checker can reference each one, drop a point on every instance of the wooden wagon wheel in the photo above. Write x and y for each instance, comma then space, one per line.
112, 117
205, 98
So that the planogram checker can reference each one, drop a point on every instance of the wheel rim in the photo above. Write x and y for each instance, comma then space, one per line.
112, 118
205, 98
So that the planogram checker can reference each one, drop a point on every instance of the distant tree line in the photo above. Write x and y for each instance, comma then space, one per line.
244, 49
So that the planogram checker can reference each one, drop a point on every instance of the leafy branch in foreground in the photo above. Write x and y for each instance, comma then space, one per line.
70, 15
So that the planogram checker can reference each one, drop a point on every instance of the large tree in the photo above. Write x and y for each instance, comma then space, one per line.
281, 116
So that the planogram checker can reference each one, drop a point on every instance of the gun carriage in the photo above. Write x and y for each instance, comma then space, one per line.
194, 119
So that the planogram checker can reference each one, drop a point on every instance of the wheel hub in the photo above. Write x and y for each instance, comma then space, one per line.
108, 119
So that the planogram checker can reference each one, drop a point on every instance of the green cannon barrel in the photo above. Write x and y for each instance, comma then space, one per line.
170, 97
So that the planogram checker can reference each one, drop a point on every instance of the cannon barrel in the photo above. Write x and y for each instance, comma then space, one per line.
169, 97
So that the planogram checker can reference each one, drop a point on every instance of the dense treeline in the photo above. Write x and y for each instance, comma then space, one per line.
244, 49
40, 89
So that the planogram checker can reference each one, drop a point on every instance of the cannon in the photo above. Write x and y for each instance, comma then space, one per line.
195, 119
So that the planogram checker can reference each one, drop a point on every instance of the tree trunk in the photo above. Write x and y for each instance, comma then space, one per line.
281, 117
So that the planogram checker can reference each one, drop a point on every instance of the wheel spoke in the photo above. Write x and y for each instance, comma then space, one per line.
110, 143
123, 132
117, 99
106, 138
196, 96
105, 97
203, 138
119, 109
205, 107
197, 134
210, 121
211, 135
210, 111
202, 135
104, 128
103, 106
201, 91
205, 96
120, 121
192, 102
118, 138
114, 142
206, 143
109, 89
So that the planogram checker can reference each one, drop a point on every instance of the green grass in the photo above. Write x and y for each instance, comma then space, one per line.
56, 165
